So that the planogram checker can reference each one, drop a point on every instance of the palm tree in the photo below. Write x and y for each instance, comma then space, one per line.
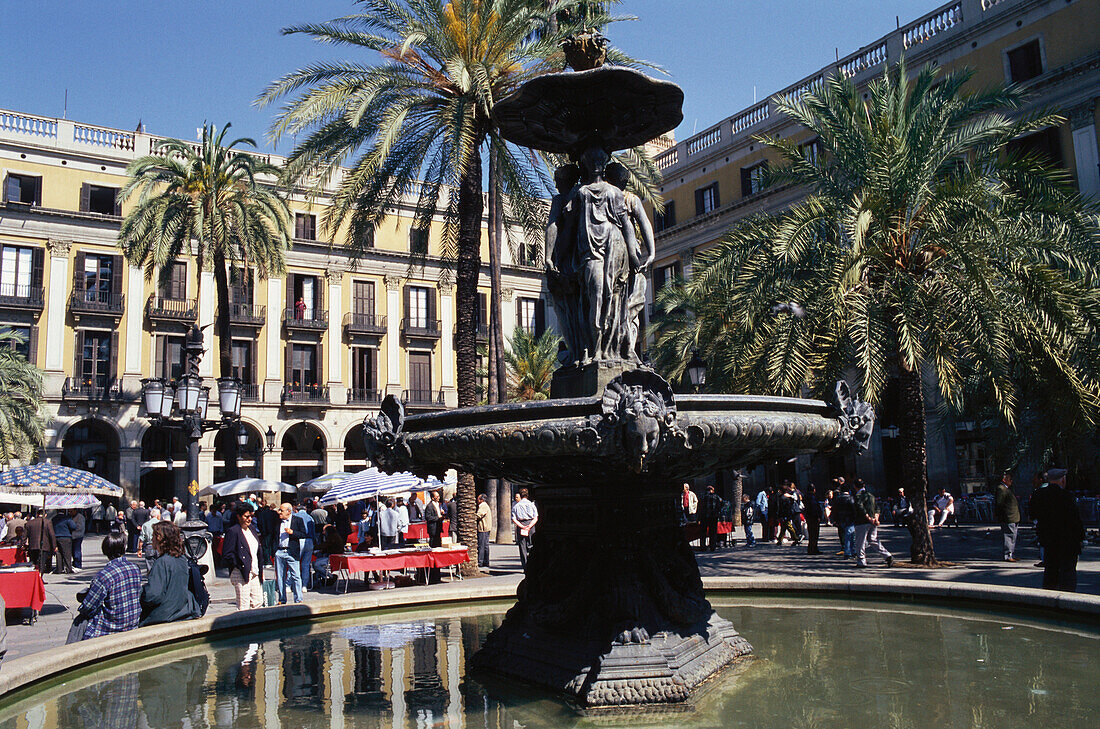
926, 252
22, 427
207, 201
531, 363
416, 123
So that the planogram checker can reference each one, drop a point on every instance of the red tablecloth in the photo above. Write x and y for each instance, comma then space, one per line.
11, 555
694, 530
22, 589
419, 530
381, 562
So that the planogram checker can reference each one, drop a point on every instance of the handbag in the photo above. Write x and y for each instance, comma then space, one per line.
271, 593
76, 630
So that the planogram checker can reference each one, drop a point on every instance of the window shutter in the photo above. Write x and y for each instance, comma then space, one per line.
158, 356
118, 204
32, 346
114, 359
433, 303
540, 317
406, 292
78, 356
319, 371
291, 283
699, 200
116, 275
519, 312
318, 295
746, 182
717, 201
372, 358
482, 310
11, 188
78, 272
85, 197
670, 213
288, 376
38, 262
37, 190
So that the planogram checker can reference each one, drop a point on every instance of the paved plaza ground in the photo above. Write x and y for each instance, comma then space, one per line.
975, 550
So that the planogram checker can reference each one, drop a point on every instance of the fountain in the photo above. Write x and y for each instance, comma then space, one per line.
611, 611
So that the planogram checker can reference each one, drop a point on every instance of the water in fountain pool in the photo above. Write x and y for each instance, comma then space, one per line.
817, 664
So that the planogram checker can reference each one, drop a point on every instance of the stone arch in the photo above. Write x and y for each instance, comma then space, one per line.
303, 447
355, 453
249, 459
92, 443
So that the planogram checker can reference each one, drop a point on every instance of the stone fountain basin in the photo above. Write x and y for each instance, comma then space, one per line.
565, 439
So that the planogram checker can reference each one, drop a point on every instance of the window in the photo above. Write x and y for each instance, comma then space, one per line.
98, 277
529, 253
706, 199
243, 361
811, 151
664, 274
303, 367
1045, 144
418, 310
482, 314
418, 241
99, 199
240, 287
364, 373
1024, 62
420, 377
28, 340
368, 238
94, 354
304, 293
175, 288
169, 356
530, 315
17, 274
305, 226
362, 300
752, 179
665, 219
26, 189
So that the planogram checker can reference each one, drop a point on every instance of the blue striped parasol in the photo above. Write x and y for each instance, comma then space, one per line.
368, 483
46, 478
71, 501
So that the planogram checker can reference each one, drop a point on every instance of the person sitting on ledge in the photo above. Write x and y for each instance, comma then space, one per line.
167, 595
113, 601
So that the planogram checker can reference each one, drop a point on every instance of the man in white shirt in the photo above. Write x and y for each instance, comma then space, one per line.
942, 507
524, 516
402, 520
388, 522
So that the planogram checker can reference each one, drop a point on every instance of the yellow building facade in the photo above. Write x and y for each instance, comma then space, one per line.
316, 349
711, 179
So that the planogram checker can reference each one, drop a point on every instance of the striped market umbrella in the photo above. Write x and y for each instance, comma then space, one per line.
46, 478
368, 483
321, 484
246, 486
71, 501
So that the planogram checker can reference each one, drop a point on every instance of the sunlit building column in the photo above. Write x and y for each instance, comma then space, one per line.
272, 375
336, 349
393, 335
206, 320
447, 343
397, 687
55, 312
135, 288
337, 689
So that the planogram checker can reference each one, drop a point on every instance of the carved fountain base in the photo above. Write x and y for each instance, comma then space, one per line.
612, 610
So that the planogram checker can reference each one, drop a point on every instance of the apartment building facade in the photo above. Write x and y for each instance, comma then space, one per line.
712, 179
316, 349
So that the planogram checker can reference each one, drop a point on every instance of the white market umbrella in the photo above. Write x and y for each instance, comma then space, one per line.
321, 484
368, 483
247, 486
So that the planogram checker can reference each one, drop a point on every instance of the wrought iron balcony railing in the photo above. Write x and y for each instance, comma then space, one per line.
359, 323
316, 319
21, 297
93, 301
172, 309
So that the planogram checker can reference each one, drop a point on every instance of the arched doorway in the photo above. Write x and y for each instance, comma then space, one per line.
249, 459
303, 453
91, 445
355, 453
163, 465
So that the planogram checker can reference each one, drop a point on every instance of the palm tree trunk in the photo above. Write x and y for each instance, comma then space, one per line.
225, 357
493, 315
914, 463
470, 208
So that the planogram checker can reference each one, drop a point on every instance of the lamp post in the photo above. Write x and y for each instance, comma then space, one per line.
192, 399
697, 370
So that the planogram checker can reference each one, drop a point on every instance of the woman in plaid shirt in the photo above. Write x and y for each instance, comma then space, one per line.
113, 602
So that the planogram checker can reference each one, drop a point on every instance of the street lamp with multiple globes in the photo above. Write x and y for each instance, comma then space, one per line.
697, 370
192, 399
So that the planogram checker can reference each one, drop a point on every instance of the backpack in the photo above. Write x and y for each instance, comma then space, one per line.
198, 589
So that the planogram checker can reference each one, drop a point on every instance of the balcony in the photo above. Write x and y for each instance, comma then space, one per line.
85, 301
250, 392
305, 395
423, 398
364, 324
86, 390
314, 321
159, 308
247, 314
13, 296
423, 328
357, 396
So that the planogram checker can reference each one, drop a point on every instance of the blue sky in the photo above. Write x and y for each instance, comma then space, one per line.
174, 63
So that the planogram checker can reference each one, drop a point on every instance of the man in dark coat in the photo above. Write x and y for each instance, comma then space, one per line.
710, 506
812, 511
1006, 511
267, 521
1060, 531
41, 541
63, 532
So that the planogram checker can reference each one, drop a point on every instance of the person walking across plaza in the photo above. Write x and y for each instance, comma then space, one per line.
41, 541
241, 553
113, 601
307, 548
748, 513
844, 517
63, 530
525, 515
1060, 531
866, 528
79, 529
814, 514
1006, 510
288, 553
689, 502
484, 526
710, 508
762, 513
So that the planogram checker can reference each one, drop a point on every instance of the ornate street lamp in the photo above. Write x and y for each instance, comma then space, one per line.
697, 370
187, 394
242, 437
204, 402
166, 402
269, 436
229, 397
152, 394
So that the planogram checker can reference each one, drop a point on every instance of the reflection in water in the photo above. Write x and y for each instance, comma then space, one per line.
816, 666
